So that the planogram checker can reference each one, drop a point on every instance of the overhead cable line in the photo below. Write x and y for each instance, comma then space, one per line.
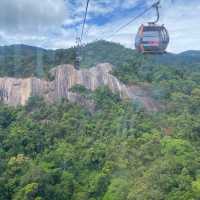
79, 39
84, 20
134, 19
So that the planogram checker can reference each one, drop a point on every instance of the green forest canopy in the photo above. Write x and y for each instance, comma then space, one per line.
119, 152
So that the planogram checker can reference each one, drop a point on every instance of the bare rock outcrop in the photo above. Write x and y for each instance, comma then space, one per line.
17, 91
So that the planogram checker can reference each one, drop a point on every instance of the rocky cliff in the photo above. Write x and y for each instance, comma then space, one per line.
17, 91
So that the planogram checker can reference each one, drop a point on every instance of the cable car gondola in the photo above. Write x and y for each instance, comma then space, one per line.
152, 38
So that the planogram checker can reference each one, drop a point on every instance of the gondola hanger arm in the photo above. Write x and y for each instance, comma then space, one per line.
156, 6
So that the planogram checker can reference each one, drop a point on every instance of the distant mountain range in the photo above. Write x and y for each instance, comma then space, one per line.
25, 61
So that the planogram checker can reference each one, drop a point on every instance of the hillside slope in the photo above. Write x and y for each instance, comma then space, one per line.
119, 151
63, 151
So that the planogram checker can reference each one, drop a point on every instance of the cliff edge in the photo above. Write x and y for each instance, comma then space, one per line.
15, 91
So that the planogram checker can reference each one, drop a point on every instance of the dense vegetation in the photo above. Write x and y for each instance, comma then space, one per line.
119, 152
164, 80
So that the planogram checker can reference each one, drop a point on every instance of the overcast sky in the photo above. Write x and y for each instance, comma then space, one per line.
56, 23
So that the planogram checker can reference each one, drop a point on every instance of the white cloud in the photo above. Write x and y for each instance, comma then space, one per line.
180, 18
182, 21
39, 22
31, 15
31, 21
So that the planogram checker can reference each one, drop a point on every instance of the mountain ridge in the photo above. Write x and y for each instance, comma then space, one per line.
24, 61
194, 52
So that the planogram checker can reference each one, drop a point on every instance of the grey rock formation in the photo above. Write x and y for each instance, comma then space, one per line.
17, 91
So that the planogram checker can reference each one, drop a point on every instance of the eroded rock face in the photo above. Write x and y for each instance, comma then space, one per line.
17, 91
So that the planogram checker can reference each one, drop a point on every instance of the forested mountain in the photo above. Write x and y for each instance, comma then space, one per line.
24, 61
119, 151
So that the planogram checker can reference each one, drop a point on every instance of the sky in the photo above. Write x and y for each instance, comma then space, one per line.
55, 24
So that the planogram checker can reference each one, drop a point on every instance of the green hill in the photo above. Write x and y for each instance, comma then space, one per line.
119, 151
23, 61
